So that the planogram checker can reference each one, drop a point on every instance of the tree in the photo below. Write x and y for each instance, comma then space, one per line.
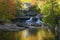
18, 8
51, 11
34, 8
7, 10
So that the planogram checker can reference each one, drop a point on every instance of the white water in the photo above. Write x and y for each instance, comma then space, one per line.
30, 21
38, 21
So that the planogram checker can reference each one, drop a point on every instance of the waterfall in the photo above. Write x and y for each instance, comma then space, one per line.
29, 21
34, 21
38, 20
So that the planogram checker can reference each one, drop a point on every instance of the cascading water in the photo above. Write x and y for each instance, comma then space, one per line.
39, 21
33, 20
29, 22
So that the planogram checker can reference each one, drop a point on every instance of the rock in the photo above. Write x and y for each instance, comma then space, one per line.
35, 24
40, 15
19, 19
31, 14
2, 22
11, 27
21, 24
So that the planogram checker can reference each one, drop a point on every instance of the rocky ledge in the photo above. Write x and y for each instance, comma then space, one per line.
15, 28
11, 27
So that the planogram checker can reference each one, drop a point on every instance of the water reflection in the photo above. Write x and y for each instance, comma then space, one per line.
33, 21
26, 33
40, 34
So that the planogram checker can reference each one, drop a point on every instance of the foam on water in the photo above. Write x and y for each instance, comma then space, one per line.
31, 21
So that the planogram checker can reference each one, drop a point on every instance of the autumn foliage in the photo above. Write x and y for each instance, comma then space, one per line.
7, 9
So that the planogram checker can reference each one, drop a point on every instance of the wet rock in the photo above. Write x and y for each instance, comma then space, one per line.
2, 22
31, 14
35, 24
11, 27
21, 24
20, 19
40, 15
